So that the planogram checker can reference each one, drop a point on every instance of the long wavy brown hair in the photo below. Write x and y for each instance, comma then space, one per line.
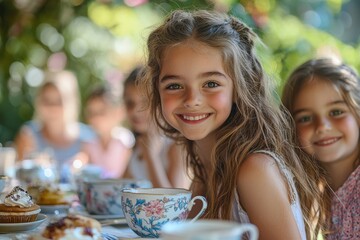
347, 82
256, 122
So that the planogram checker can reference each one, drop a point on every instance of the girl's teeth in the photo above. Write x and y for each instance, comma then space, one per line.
194, 118
328, 141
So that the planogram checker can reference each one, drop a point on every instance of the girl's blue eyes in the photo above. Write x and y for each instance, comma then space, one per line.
212, 84
175, 86
336, 113
304, 119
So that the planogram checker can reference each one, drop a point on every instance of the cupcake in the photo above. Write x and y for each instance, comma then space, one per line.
73, 227
18, 207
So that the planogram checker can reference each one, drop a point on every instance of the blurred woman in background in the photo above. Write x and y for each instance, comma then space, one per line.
55, 128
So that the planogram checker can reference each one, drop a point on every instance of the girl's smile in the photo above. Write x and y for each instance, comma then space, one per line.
327, 141
193, 118
196, 95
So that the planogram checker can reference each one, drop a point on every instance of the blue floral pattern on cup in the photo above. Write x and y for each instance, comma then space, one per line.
147, 214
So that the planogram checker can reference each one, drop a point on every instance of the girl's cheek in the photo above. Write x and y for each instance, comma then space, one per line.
168, 101
303, 135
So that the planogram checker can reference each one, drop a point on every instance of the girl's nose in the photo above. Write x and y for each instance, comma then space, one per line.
323, 125
193, 98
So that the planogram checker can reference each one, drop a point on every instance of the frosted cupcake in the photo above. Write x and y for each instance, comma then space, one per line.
18, 207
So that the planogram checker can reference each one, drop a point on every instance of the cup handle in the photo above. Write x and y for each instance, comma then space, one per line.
203, 208
252, 229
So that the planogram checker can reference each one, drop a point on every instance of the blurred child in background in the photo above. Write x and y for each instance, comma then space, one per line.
55, 128
155, 157
323, 97
112, 147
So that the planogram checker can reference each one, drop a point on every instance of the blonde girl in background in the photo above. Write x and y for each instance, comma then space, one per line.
155, 157
207, 88
111, 149
323, 97
55, 128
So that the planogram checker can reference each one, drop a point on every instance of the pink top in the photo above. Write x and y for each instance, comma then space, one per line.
113, 160
345, 209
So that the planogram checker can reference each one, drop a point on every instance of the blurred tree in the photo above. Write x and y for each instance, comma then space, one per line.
39, 35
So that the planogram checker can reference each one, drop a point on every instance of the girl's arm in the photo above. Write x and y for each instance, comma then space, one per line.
177, 173
264, 195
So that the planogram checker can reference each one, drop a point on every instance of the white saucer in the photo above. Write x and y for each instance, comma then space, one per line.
50, 209
18, 227
103, 217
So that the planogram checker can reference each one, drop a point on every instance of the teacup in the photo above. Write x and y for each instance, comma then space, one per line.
147, 210
208, 230
102, 196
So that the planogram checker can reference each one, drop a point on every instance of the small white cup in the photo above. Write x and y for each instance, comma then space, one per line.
207, 230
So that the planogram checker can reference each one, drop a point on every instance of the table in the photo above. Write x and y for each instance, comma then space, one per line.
119, 231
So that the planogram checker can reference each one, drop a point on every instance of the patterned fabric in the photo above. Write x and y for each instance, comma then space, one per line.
241, 216
345, 209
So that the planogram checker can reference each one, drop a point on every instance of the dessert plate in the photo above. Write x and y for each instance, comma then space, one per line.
54, 209
115, 221
19, 227
103, 217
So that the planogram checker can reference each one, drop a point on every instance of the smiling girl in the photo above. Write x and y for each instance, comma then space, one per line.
207, 88
323, 96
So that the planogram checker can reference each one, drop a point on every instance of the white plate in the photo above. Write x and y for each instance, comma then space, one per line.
18, 227
50, 209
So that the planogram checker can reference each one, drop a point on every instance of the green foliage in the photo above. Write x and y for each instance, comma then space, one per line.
102, 40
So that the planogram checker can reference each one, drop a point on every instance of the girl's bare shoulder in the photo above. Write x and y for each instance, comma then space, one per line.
256, 163
259, 169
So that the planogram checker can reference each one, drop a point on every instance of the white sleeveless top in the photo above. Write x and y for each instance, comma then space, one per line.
241, 216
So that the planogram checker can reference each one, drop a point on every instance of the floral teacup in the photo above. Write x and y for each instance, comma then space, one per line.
147, 210
103, 195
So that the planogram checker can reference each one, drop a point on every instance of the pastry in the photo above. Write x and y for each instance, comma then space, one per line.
48, 195
18, 207
51, 197
73, 227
